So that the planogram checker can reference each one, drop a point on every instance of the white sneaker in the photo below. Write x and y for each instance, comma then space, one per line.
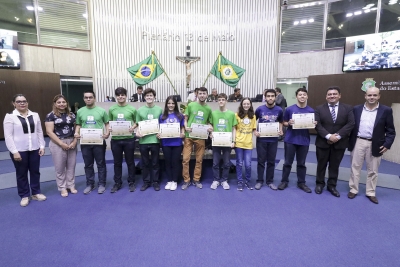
225, 185
214, 185
168, 186
24, 201
39, 197
174, 185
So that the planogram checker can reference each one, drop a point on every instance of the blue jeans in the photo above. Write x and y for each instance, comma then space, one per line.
90, 153
30, 163
243, 156
301, 154
266, 152
118, 148
226, 153
172, 157
150, 167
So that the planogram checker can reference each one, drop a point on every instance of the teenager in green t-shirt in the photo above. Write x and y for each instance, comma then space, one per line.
196, 112
223, 120
149, 143
123, 145
93, 117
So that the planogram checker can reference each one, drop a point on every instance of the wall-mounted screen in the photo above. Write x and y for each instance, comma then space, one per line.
372, 52
9, 53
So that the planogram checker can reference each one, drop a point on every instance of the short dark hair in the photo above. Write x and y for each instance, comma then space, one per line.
278, 90
334, 88
18, 95
236, 89
202, 89
139, 87
89, 92
149, 91
222, 95
301, 90
120, 91
269, 91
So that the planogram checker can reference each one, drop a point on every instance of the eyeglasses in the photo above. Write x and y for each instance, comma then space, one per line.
88, 97
21, 101
374, 95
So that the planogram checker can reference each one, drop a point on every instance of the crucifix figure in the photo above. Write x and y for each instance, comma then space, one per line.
188, 60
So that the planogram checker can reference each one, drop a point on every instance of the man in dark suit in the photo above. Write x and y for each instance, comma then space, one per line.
372, 136
335, 122
138, 97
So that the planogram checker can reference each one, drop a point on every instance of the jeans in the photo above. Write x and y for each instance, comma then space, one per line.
172, 157
150, 167
266, 152
301, 153
118, 148
30, 162
226, 153
243, 156
90, 153
187, 151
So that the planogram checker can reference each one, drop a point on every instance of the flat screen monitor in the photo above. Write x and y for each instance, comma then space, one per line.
9, 53
378, 51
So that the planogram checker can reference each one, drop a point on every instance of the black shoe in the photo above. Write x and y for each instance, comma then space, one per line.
373, 199
144, 187
132, 187
318, 189
116, 187
156, 186
282, 186
333, 191
304, 188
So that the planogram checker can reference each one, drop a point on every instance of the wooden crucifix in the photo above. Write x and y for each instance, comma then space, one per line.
188, 60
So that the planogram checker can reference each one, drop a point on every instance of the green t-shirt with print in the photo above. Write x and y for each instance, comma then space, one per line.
197, 113
146, 113
223, 121
122, 113
92, 118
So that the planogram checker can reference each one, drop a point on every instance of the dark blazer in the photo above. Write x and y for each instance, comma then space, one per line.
135, 98
383, 133
325, 125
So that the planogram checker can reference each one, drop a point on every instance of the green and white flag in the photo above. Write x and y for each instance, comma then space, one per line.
226, 71
146, 71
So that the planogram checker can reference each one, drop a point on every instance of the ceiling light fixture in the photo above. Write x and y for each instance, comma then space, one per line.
30, 8
296, 23
311, 20
367, 10
349, 15
357, 13
303, 21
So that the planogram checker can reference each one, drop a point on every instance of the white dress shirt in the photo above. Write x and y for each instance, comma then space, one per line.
367, 122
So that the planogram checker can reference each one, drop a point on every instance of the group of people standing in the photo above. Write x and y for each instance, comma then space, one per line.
366, 130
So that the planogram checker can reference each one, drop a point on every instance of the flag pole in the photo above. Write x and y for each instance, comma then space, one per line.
164, 72
220, 53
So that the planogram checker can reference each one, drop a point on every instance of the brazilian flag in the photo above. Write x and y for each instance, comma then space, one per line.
226, 71
146, 71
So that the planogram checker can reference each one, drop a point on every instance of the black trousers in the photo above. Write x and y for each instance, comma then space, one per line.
330, 156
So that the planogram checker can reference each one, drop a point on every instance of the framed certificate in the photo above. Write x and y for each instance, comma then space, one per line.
148, 127
170, 130
91, 136
199, 131
303, 121
268, 129
120, 128
222, 139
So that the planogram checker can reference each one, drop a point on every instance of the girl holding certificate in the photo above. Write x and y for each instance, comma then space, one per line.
244, 141
60, 125
171, 134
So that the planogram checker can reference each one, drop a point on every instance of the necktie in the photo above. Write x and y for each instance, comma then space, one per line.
333, 113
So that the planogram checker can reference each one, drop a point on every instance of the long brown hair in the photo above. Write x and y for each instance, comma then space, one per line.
55, 109
241, 111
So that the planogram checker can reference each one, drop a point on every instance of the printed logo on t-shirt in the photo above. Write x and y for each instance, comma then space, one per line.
150, 116
172, 120
200, 113
246, 121
199, 118
221, 125
120, 117
90, 120
269, 117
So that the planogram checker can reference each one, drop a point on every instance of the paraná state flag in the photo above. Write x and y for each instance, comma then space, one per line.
146, 71
226, 71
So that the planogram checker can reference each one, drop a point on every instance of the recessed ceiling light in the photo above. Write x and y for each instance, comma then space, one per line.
349, 14
85, 16
357, 13
296, 23
374, 8
303, 21
367, 10
30, 8
311, 20
16, 18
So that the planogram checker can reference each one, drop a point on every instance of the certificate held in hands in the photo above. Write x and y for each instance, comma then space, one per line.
170, 130
148, 127
268, 129
222, 139
199, 131
303, 121
91, 136
120, 128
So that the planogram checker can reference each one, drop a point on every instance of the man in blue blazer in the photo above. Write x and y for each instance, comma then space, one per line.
335, 122
372, 136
